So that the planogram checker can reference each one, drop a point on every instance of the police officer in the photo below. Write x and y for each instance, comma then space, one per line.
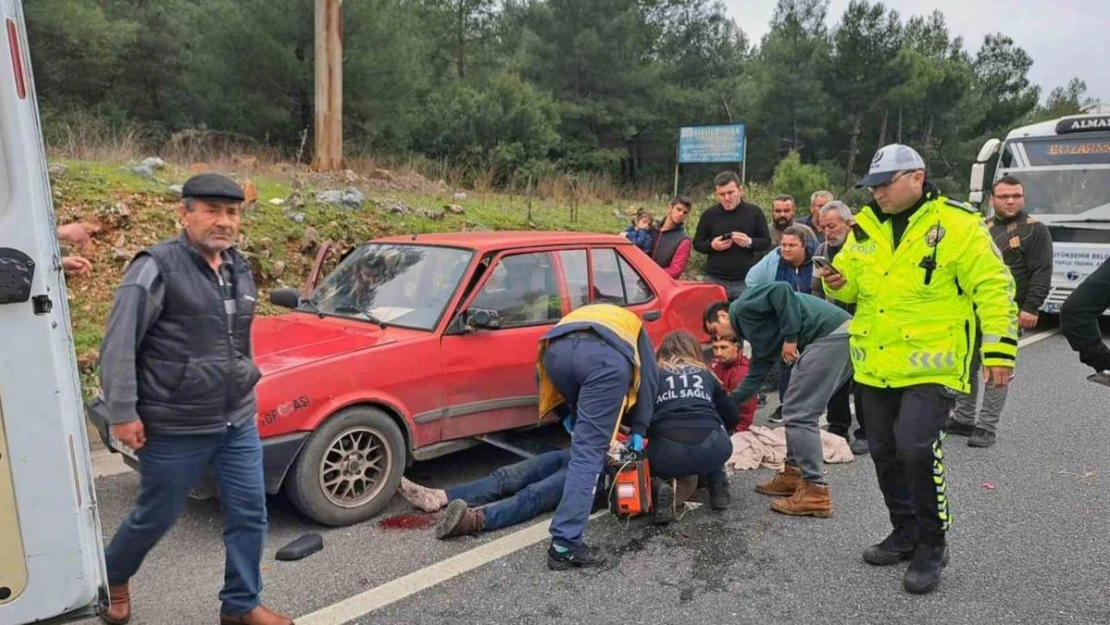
919, 267
598, 362
178, 387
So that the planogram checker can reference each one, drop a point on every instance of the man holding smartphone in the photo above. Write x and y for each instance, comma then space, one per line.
731, 234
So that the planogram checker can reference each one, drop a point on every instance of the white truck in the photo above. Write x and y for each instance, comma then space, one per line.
1064, 166
51, 552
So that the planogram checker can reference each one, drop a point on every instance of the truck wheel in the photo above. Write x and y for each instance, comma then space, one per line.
349, 468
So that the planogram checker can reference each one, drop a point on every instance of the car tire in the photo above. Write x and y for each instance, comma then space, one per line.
349, 468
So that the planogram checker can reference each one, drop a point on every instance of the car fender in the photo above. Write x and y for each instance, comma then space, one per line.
365, 397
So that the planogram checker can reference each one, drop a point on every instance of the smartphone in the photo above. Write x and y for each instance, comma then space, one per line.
1102, 377
824, 263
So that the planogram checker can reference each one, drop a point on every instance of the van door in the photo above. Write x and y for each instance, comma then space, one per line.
47, 502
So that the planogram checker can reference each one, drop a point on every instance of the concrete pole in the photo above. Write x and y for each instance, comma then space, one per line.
329, 86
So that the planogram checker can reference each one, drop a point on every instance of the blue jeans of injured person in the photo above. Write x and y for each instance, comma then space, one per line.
169, 467
594, 378
518, 492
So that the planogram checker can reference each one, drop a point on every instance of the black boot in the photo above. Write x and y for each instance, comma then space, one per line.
581, 556
923, 576
662, 499
719, 496
893, 549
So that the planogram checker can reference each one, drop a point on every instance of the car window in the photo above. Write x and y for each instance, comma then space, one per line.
577, 272
616, 282
523, 290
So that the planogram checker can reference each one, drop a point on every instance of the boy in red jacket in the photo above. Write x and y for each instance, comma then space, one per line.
731, 366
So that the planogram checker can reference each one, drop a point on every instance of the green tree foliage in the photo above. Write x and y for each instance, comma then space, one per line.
511, 86
797, 179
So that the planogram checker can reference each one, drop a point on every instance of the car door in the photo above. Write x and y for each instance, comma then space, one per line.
615, 280
489, 374
51, 551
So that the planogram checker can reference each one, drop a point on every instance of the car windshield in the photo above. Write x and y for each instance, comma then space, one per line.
390, 284
1064, 191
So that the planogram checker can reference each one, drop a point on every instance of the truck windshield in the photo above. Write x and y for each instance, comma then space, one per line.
1058, 191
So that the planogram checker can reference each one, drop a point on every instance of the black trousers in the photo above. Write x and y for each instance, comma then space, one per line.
840, 412
904, 431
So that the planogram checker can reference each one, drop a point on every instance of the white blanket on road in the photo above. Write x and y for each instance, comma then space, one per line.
766, 447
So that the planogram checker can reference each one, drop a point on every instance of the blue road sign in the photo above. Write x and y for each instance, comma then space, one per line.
711, 144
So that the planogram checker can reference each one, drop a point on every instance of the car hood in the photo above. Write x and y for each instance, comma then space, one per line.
292, 340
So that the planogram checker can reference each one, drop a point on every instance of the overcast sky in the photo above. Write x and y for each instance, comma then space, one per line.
1065, 38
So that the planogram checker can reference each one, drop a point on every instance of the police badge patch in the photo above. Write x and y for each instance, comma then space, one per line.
934, 235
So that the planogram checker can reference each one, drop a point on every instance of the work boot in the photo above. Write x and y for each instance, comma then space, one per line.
893, 549
859, 447
811, 499
981, 438
955, 428
928, 562
580, 556
662, 498
719, 496
427, 499
458, 519
684, 489
119, 608
783, 484
260, 615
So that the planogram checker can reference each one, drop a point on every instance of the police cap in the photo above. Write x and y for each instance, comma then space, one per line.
212, 187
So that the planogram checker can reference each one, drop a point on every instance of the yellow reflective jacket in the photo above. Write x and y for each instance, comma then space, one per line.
619, 327
908, 330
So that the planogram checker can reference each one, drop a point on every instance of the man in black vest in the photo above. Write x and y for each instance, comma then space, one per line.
178, 386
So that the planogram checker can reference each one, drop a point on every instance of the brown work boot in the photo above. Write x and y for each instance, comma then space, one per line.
811, 499
119, 608
783, 484
458, 519
260, 615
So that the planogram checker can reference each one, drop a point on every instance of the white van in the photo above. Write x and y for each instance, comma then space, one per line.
51, 552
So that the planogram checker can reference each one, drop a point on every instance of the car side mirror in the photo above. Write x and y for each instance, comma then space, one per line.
286, 298
483, 318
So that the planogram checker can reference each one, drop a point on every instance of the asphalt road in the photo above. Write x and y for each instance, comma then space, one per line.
1029, 543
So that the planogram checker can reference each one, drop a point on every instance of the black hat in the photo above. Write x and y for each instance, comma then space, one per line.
212, 187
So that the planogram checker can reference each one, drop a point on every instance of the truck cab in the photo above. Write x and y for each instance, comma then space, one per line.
1064, 167
51, 555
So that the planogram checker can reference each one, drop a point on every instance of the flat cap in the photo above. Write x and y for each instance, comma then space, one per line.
212, 187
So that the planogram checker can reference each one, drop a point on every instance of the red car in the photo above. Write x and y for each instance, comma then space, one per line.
414, 345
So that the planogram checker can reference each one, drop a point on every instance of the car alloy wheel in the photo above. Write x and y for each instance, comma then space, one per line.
354, 467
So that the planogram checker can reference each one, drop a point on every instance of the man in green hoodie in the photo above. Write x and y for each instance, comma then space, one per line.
810, 335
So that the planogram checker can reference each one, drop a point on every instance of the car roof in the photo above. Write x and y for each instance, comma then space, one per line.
490, 241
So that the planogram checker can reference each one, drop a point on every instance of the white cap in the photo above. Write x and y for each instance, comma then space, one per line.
890, 160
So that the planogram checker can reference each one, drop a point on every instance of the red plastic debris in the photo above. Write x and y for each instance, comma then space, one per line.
988, 486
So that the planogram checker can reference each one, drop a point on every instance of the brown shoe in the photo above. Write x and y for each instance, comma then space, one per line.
783, 484
261, 615
458, 519
811, 499
119, 608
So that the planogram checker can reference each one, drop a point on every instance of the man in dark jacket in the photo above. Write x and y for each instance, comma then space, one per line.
1079, 320
178, 388
811, 335
731, 233
1026, 248
671, 247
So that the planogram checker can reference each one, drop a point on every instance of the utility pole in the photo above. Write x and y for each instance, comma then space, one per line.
329, 85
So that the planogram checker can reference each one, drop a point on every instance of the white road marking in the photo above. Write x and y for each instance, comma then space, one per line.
408, 585
1040, 336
